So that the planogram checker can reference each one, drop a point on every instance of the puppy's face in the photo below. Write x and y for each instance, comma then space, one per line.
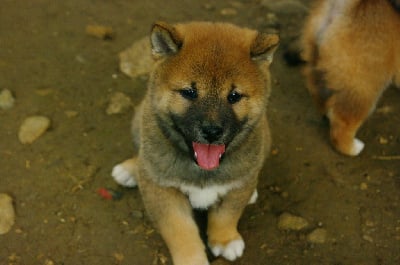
209, 89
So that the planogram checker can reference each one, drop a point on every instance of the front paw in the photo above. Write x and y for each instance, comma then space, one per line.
231, 250
123, 176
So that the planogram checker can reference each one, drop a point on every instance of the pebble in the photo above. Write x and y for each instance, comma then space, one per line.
119, 103
6, 99
318, 236
71, 113
119, 257
288, 221
229, 11
101, 32
285, 7
32, 128
272, 20
385, 110
368, 238
48, 262
7, 213
137, 60
137, 214
383, 140
363, 186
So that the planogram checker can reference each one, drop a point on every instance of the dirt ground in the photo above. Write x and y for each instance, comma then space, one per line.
53, 68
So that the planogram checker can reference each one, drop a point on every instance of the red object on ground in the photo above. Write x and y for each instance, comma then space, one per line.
105, 193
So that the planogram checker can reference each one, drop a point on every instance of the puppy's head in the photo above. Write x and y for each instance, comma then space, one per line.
210, 85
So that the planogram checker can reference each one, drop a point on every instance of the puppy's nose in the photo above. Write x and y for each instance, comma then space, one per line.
212, 133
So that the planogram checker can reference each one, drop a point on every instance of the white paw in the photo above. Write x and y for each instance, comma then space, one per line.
231, 251
122, 176
254, 197
357, 147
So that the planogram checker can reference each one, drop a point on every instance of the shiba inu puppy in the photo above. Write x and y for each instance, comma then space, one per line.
352, 50
202, 134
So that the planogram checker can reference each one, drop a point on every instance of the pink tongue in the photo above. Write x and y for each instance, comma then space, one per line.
208, 155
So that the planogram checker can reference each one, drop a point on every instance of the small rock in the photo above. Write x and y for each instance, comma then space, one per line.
119, 257
208, 6
101, 32
44, 91
229, 11
119, 103
285, 7
71, 113
363, 186
285, 194
368, 238
48, 262
385, 110
6, 99
137, 59
7, 213
318, 236
32, 128
137, 214
236, 4
272, 21
288, 221
383, 140
275, 151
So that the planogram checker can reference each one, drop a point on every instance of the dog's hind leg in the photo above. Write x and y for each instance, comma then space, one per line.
347, 110
342, 133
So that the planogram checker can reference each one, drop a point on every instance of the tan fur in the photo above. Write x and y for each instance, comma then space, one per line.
352, 52
215, 60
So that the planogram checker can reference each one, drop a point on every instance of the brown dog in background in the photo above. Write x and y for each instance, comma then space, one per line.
202, 134
352, 51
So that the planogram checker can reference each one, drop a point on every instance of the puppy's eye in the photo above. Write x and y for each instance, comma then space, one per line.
189, 93
234, 97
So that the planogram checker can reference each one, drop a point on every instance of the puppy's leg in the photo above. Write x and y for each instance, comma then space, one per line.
125, 172
347, 111
171, 213
318, 88
342, 133
223, 237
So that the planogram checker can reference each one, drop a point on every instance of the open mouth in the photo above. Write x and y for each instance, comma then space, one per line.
208, 156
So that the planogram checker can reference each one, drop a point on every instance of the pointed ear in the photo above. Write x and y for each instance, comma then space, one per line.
264, 46
165, 40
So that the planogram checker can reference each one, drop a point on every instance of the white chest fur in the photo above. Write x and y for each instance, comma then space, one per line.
202, 198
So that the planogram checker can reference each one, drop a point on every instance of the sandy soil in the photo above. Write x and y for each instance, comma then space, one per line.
53, 68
